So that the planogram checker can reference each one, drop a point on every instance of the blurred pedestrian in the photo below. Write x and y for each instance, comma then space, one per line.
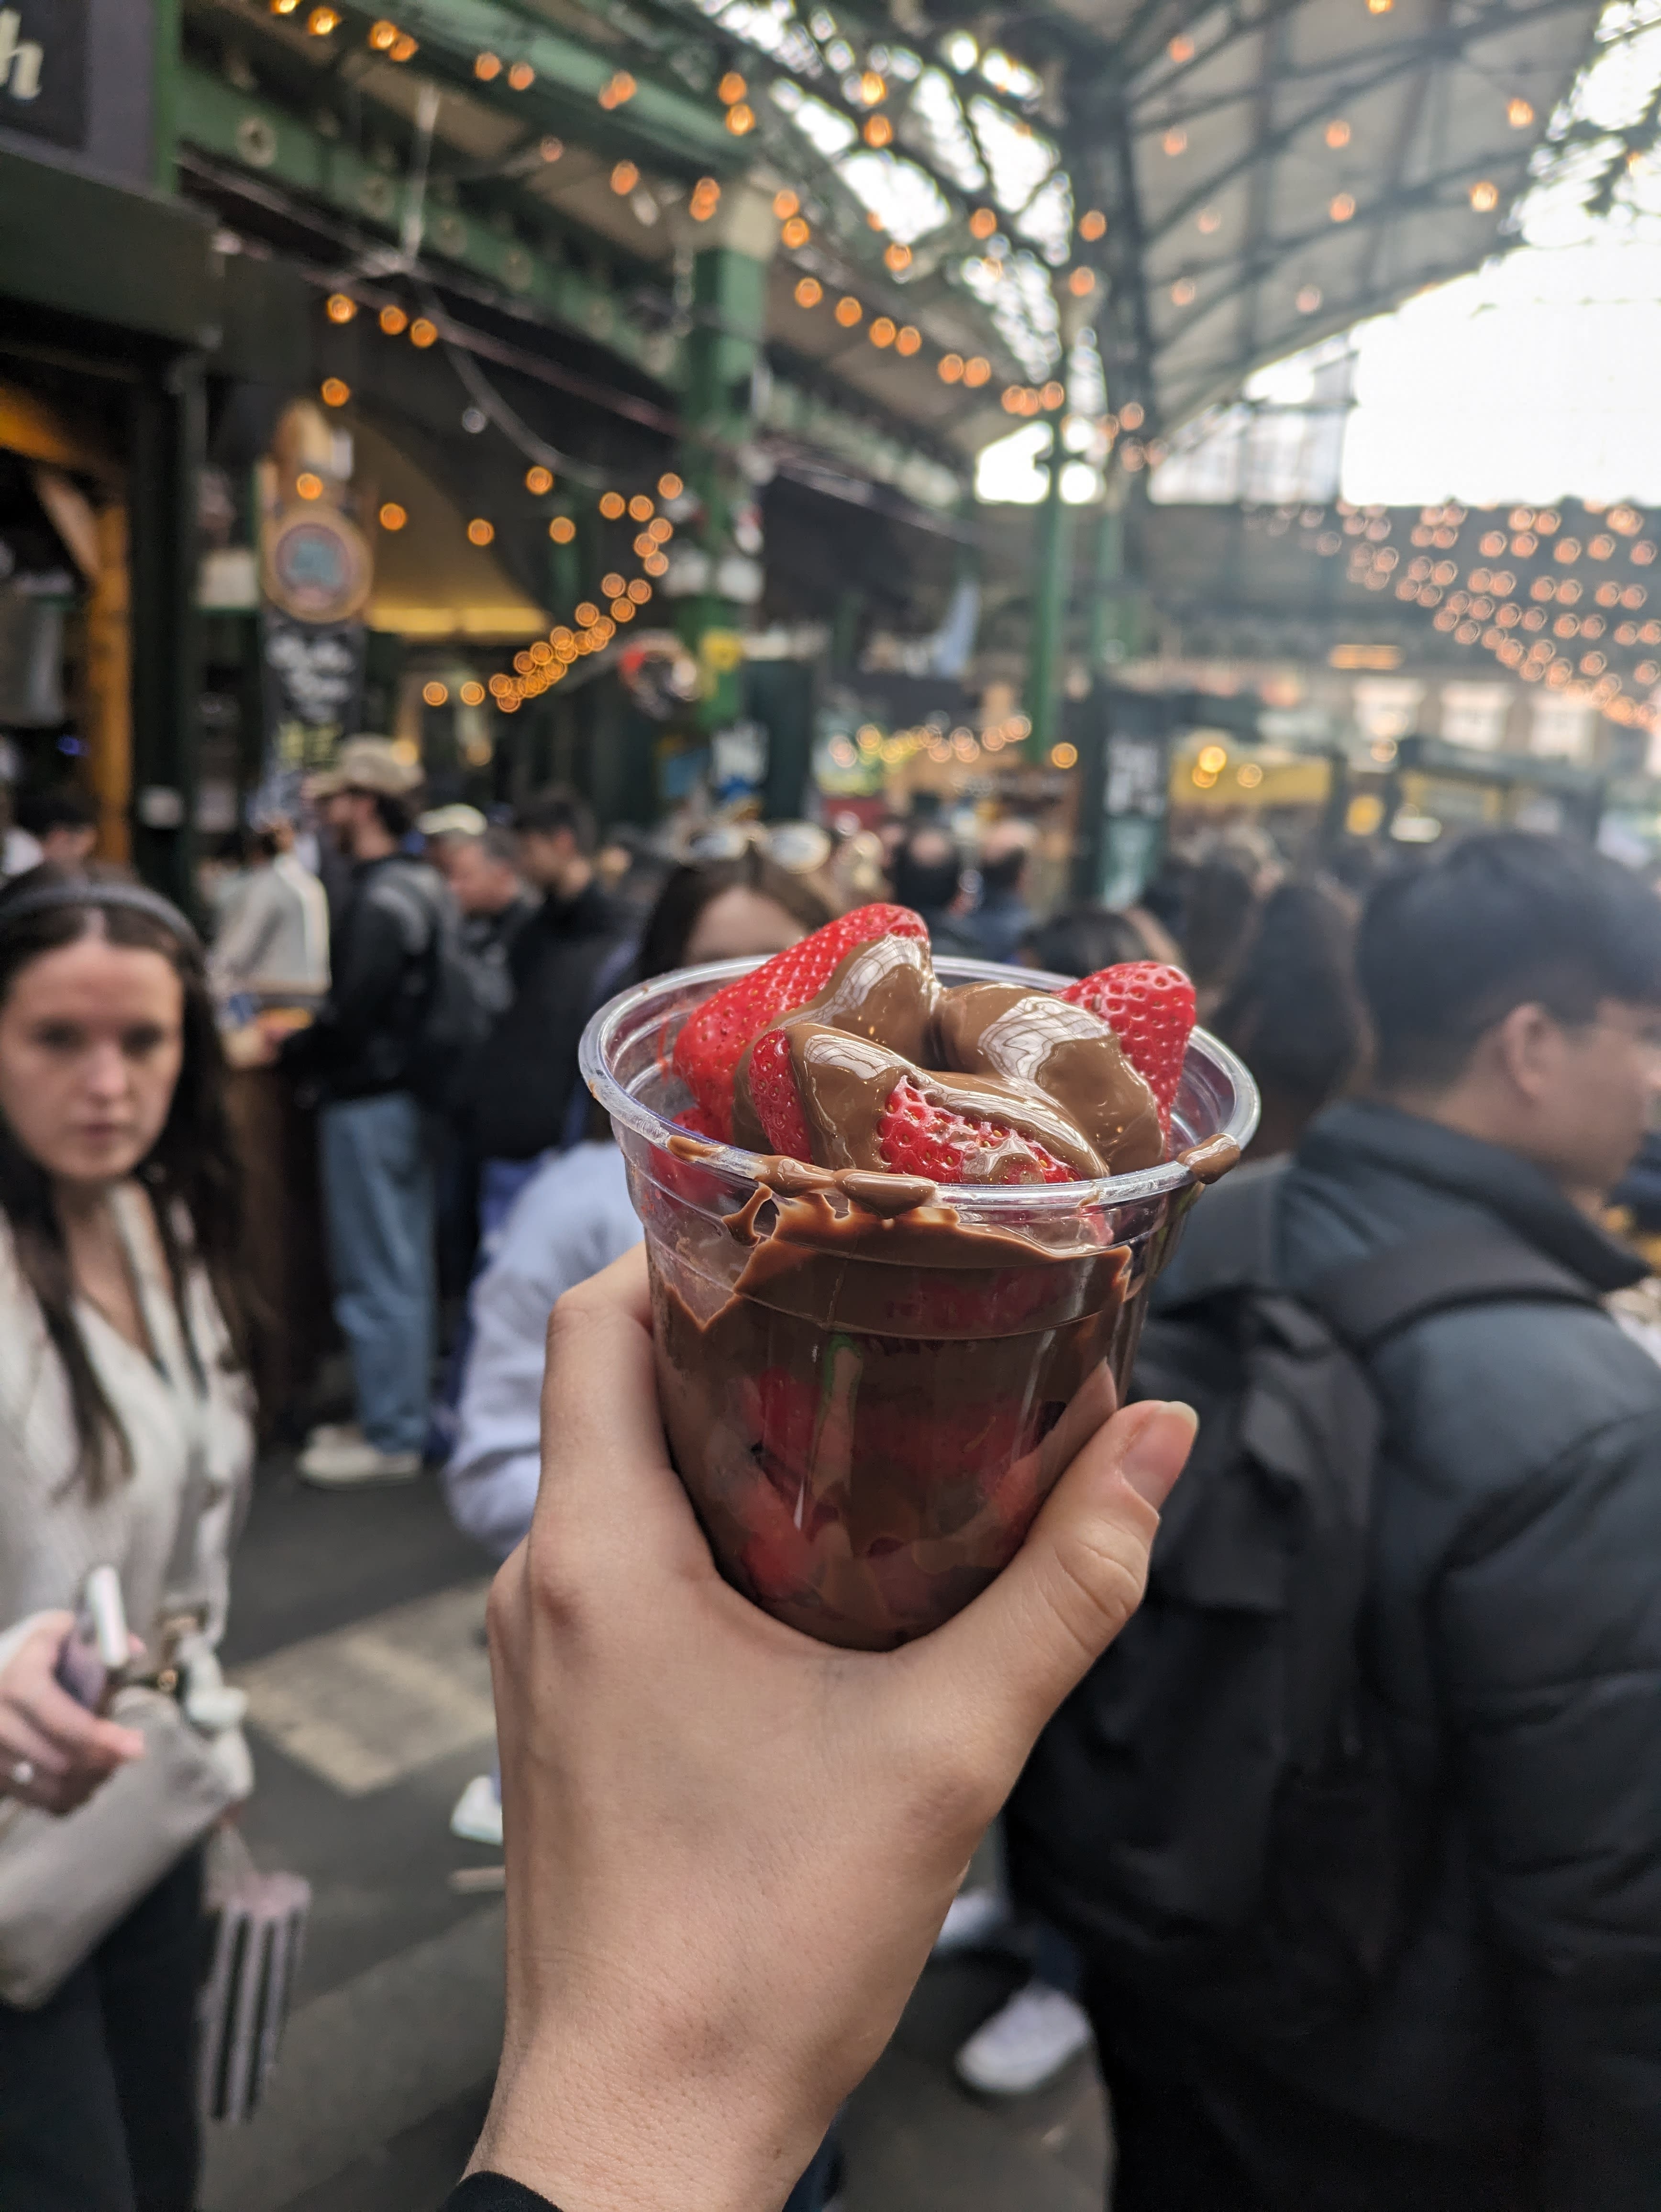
64, 825
1003, 917
1082, 938
1440, 1987
519, 1090
482, 868
370, 1052
1293, 1013
125, 1442
928, 879
274, 936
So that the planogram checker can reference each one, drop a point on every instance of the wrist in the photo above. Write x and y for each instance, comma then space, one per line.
594, 2130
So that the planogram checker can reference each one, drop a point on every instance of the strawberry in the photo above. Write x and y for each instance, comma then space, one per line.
697, 1123
1150, 1009
715, 1035
774, 1095
916, 1137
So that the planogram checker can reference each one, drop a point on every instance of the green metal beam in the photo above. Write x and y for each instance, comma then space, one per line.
252, 133
657, 121
132, 259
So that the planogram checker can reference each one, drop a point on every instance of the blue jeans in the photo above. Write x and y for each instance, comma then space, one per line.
378, 1197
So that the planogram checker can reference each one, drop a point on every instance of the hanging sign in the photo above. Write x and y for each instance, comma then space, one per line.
315, 571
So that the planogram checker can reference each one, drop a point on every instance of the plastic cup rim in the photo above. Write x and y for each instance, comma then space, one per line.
1008, 1197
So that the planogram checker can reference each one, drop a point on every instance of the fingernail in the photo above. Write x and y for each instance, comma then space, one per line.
1154, 1457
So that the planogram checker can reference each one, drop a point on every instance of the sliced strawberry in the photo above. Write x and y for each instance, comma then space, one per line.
1149, 1007
774, 1097
714, 1037
916, 1137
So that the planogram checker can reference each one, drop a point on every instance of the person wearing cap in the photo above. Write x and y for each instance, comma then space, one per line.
378, 1176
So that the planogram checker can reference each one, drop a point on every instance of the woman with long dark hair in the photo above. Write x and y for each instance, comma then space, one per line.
126, 1442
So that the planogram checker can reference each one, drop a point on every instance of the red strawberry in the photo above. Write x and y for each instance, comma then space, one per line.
774, 1095
713, 1040
697, 1123
1150, 1009
916, 1138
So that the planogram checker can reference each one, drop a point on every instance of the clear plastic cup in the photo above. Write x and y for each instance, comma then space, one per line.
857, 1406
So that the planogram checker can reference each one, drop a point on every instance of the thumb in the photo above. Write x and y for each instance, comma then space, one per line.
1011, 1657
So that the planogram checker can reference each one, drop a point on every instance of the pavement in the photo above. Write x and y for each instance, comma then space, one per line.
356, 1627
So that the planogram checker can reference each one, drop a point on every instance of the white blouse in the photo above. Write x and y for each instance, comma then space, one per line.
191, 1441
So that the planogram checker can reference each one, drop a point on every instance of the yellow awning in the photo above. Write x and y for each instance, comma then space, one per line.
429, 581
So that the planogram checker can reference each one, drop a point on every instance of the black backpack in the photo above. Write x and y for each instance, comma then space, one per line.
1214, 1813
449, 1017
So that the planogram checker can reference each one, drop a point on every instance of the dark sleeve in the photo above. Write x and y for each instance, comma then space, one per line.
364, 986
1551, 1631
490, 2192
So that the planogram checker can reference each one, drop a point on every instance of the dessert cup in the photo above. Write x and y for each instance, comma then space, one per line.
857, 1399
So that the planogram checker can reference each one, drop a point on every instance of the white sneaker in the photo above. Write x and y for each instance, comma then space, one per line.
1039, 2032
334, 1432
348, 1462
974, 1918
477, 1816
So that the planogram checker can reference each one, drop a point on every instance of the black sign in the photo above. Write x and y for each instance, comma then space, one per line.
313, 683
43, 70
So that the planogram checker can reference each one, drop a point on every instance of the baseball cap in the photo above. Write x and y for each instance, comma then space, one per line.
374, 764
457, 820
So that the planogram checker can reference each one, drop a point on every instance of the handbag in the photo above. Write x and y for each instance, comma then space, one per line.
65, 1882
259, 1923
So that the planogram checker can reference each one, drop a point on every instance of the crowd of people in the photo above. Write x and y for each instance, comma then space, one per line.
1394, 1940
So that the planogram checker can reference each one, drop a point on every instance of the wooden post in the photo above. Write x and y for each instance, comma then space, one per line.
108, 725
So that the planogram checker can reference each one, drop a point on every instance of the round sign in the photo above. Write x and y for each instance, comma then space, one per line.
316, 567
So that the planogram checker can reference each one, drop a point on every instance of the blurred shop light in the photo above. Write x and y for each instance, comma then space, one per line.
1063, 756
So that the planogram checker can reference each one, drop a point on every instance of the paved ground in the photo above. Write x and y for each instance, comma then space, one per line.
355, 1627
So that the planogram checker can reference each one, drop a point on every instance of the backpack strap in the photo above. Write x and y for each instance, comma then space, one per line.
1367, 1300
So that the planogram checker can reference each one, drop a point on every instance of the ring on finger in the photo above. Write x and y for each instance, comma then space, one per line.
22, 1772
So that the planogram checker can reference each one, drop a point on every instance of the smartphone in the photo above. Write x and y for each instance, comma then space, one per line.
92, 1660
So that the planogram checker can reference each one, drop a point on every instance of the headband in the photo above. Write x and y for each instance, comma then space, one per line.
132, 898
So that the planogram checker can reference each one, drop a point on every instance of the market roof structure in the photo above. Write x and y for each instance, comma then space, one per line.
964, 218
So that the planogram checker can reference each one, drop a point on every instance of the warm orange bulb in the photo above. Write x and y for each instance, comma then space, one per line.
878, 131
403, 48
670, 486
1519, 114
538, 480
741, 119
1342, 206
341, 307
883, 331
1054, 395
1092, 224
336, 391
1082, 284
897, 256
982, 223
640, 592
435, 693
486, 66
731, 88
849, 312
308, 485
422, 332
610, 584
472, 693
588, 613
610, 505
393, 321
392, 516
641, 508
322, 23
623, 610
1337, 133
809, 292
908, 339
785, 204
562, 530
796, 231
950, 368
1484, 197
624, 178
977, 370
382, 35
479, 531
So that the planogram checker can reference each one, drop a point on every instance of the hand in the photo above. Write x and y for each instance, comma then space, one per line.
253, 1045
729, 1848
66, 1750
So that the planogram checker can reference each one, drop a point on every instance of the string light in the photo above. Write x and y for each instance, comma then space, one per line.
976, 370
562, 530
1182, 292
1181, 49
639, 507
393, 321
621, 88
487, 66
670, 486
1518, 114
434, 693
471, 693
521, 76
538, 480
322, 23
391, 515
878, 131
849, 311
624, 177
612, 505
785, 204
422, 332
1092, 224
1337, 133
1174, 140
336, 391
340, 307
1342, 206
809, 292
660, 530
1485, 197
883, 331
950, 369
741, 119
872, 88
706, 198
1308, 298
897, 256
796, 231
403, 48
907, 339
731, 89
308, 485
479, 531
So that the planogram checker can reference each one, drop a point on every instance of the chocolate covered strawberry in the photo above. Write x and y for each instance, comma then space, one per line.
920, 1138
718, 1033
1149, 1007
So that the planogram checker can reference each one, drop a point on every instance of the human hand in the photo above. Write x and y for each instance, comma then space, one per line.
728, 1847
54, 1752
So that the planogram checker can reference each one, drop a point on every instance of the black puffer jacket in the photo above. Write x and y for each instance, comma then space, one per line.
1513, 1632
